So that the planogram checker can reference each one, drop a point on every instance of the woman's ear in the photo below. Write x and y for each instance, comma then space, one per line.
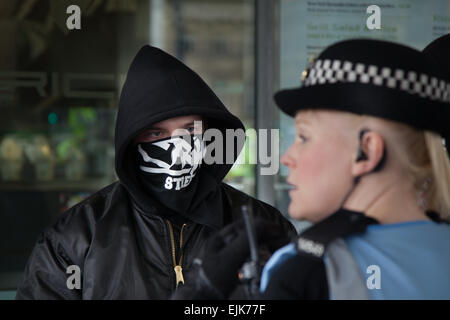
369, 154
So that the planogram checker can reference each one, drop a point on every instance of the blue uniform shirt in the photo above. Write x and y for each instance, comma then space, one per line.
412, 259
398, 261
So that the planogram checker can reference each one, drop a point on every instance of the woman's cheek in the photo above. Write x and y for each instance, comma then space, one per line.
311, 165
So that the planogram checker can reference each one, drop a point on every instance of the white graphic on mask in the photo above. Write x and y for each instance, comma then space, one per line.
183, 154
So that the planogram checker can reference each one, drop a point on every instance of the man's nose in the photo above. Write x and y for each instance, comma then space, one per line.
179, 132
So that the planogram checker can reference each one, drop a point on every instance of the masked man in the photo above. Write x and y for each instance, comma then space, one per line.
136, 238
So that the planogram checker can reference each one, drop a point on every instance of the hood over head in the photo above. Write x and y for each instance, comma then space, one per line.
158, 87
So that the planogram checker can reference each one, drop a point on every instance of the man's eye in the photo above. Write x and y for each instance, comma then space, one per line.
190, 129
155, 134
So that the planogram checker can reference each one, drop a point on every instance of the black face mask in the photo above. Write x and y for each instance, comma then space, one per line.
168, 169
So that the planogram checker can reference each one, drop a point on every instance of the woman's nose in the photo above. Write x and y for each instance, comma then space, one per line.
286, 159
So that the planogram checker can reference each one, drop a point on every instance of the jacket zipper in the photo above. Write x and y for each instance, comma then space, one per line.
177, 267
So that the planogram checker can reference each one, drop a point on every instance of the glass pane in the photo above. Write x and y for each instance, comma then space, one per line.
307, 27
59, 92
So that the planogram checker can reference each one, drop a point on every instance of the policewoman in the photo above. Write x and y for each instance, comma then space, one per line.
369, 169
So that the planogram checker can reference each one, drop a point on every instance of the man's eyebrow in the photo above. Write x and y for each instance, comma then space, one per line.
183, 125
155, 128
190, 123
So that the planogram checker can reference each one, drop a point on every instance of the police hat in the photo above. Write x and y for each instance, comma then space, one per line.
376, 78
438, 53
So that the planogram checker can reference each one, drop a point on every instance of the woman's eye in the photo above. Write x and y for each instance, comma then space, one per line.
302, 138
190, 129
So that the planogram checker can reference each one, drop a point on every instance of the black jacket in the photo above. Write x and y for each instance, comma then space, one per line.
121, 238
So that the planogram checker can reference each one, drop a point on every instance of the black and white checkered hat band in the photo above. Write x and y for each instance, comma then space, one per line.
332, 71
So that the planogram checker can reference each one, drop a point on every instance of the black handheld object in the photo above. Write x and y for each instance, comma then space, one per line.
248, 220
250, 271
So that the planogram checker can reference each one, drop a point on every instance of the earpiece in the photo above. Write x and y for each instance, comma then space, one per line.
361, 155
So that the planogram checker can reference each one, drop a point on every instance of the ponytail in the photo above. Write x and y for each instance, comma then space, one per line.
427, 162
438, 193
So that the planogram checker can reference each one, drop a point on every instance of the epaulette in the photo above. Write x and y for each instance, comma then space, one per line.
314, 240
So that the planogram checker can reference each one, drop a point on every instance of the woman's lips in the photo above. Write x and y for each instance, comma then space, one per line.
291, 187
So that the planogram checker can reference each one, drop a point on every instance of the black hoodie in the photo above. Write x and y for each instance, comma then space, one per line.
159, 87
120, 237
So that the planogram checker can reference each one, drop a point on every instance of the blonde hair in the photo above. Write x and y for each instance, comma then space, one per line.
426, 160
438, 197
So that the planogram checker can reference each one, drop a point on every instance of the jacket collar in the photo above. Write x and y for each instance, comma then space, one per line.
207, 208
